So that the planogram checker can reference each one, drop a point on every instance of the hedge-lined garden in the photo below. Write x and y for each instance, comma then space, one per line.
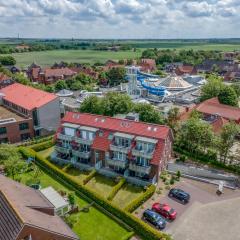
140, 227
116, 188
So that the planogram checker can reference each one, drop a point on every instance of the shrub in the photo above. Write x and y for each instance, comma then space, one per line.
89, 176
115, 189
141, 199
140, 227
172, 180
42, 146
36, 140
178, 174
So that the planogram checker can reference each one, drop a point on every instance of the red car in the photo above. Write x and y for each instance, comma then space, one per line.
165, 210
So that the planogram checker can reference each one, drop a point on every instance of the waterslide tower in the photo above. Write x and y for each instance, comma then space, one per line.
131, 75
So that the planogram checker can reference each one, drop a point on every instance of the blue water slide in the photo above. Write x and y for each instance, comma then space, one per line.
159, 91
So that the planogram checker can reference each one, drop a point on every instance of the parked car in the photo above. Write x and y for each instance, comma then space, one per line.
154, 218
180, 195
165, 210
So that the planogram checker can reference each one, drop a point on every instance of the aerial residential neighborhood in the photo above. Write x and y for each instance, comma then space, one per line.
119, 120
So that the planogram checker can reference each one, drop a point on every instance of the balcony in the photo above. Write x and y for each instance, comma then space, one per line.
116, 162
141, 169
81, 154
83, 141
118, 148
142, 153
62, 149
64, 137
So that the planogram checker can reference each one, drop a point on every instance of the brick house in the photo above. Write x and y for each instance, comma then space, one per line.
186, 70
139, 151
147, 65
25, 112
214, 113
27, 215
49, 75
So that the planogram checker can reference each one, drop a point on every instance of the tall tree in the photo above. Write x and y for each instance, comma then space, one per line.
173, 119
228, 96
116, 76
212, 88
226, 140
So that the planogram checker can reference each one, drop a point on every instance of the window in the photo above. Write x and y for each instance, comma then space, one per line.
3, 130
122, 142
23, 126
120, 156
142, 161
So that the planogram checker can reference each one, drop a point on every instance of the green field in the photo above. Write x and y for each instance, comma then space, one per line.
48, 58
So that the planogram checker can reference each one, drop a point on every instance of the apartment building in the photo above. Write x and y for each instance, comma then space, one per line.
26, 214
27, 112
135, 150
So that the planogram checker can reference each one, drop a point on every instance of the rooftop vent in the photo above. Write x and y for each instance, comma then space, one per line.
149, 128
76, 116
125, 124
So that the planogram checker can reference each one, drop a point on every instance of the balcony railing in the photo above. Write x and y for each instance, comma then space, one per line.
83, 141
62, 149
118, 148
141, 169
64, 137
116, 162
81, 154
142, 153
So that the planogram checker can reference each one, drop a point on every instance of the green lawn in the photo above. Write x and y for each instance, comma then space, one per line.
93, 225
47, 58
101, 184
126, 194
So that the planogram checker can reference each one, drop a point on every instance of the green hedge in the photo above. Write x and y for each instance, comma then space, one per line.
209, 158
115, 189
141, 199
89, 176
128, 236
36, 141
42, 146
140, 227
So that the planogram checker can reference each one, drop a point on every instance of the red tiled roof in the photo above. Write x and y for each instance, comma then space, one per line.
118, 125
102, 143
218, 124
158, 153
26, 97
212, 106
35, 72
56, 72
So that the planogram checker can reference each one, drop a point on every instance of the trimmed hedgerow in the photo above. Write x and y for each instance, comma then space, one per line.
89, 176
42, 146
36, 141
140, 227
141, 199
115, 189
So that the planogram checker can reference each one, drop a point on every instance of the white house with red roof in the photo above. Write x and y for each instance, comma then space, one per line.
42, 108
139, 151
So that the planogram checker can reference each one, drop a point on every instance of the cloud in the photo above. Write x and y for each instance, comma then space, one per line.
120, 18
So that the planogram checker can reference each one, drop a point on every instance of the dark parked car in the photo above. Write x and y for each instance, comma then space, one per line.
154, 218
165, 210
180, 195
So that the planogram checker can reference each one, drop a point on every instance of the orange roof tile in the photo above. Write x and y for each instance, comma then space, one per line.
26, 97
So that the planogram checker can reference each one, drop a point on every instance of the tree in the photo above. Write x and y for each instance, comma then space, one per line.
195, 134
116, 76
7, 60
92, 104
228, 96
212, 88
226, 140
236, 87
116, 103
71, 199
11, 159
147, 113
173, 119
59, 85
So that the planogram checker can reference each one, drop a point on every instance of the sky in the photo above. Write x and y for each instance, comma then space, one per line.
120, 18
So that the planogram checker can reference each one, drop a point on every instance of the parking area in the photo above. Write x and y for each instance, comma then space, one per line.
196, 214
